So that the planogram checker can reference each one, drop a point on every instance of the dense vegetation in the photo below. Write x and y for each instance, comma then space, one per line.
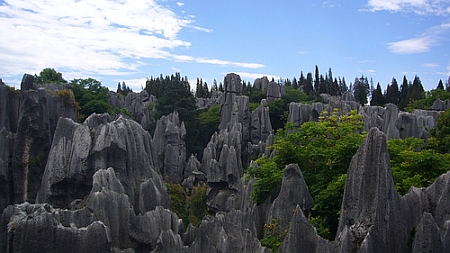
323, 151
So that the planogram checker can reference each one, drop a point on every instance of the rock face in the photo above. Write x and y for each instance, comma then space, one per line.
272, 90
137, 104
261, 127
79, 150
440, 105
233, 231
29, 119
170, 148
302, 235
294, 192
373, 213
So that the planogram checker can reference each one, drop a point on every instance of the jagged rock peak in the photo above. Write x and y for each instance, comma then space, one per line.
80, 150
373, 215
294, 192
232, 83
303, 235
170, 148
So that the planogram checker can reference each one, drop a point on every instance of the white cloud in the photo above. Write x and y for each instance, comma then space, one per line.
252, 76
134, 84
437, 7
180, 3
411, 46
420, 44
92, 37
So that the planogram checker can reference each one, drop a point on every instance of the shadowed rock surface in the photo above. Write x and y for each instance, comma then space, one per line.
31, 114
294, 192
170, 148
79, 150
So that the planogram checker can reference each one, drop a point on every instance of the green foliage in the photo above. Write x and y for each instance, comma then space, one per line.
150, 106
361, 90
268, 177
91, 96
428, 99
323, 150
196, 204
208, 122
279, 108
49, 75
255, 95
442, 132
415, 162
274, 237
252, 106
191, 209
178, 198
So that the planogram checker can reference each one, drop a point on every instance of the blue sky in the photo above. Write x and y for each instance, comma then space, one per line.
131, 40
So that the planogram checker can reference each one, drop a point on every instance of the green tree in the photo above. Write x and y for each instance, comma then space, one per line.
392, 92
377, 96
279, 108
361, 90
440, 85
323, 151
49, 75
415, 162
175, 95
442, 132
91, 96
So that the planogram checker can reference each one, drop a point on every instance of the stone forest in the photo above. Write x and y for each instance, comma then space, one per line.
271, 166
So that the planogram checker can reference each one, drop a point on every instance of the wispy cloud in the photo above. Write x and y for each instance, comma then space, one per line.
420, 44
252, 76
411, 46
431, 65
436, 7
92, 37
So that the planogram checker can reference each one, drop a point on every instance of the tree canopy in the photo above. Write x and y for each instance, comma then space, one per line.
49, 75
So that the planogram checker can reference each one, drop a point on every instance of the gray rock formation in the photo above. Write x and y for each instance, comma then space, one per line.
440, 105
300, 113
103, 222
222, 165
170, 148
272, 90
38, 228
137, 104
373, 214
205, 103
261, 127
261, 83
294, 192
79, 150
9, 107
6, 183
227, 232
32, 114
303, 235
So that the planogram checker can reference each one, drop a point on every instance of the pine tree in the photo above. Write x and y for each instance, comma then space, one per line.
405, 94
440, 85
206, 93
377, 96
308, 85
417, 89
294, 83
392, 92
317, 80
361, 90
